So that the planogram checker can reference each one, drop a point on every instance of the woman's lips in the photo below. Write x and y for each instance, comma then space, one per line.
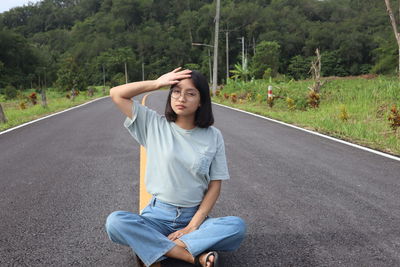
180, 107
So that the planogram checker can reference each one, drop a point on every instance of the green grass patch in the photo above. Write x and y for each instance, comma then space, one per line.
367, 103
56, 101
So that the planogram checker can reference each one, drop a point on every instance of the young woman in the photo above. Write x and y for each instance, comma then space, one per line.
186, 164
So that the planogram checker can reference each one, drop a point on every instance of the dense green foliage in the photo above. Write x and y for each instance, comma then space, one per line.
37, 40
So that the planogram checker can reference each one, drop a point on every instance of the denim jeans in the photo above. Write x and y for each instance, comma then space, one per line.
147, 233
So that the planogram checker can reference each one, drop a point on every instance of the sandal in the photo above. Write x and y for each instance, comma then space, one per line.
211, 253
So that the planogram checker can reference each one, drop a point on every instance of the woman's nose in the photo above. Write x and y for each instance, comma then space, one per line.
182, 96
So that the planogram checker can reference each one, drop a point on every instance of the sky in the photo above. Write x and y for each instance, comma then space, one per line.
6, 5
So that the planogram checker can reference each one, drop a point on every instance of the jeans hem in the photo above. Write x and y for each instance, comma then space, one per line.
154, 259
188, 248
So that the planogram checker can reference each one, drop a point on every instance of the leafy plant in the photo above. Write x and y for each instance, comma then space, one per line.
22, 105
241, 72
290, 103
259, 98
233, 98
313, 99
394, 118
33, 98
343, 116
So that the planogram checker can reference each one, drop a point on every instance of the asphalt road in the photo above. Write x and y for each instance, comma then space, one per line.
307, 200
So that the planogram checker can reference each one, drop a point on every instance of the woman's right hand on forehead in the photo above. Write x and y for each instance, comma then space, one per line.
173, 77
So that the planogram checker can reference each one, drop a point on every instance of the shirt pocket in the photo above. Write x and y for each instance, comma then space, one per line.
203, 162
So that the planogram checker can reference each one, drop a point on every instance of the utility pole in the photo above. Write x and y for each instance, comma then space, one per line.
142, 71
209, 57
215, 68
242, 39
254, 46
126, 74
45, 80
227, 55
227, 50
209, 65
104, 76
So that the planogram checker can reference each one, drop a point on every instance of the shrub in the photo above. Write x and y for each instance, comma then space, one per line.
10, 92
22, 105
394, 118
290, 103
233, 97
270, 101
242, 95
259, 98
343, 113
91, 91
267, 74
33, 98
249, 96
313, 99
301, 103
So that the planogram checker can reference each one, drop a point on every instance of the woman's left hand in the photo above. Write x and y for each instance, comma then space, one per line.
180, 233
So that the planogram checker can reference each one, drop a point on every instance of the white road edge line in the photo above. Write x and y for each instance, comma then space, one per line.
48, 116
315, 133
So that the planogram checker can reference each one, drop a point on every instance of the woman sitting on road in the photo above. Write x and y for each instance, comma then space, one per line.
186, 165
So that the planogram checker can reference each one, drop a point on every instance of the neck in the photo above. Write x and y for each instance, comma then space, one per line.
186, 123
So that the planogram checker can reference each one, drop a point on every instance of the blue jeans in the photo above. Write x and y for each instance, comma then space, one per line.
147, 233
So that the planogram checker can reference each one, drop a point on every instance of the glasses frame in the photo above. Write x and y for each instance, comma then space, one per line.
185, 94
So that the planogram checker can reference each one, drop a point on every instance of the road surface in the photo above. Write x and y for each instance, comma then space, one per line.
307, 200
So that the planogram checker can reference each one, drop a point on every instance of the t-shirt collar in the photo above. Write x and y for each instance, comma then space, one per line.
183, 130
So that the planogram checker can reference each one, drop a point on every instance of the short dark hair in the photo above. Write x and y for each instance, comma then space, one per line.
204, 116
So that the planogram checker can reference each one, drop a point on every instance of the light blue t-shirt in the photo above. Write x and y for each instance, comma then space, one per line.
180, 163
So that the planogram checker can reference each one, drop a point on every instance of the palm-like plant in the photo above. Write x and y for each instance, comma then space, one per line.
241, 71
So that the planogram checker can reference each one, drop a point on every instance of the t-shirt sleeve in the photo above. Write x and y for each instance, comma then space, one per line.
143, 119
219, 167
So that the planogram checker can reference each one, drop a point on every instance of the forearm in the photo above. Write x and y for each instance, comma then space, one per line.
207, 204
130, 90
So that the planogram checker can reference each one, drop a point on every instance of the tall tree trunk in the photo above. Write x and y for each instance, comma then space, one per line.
44, 99
3, 118
394, 26
72, 94
126, 73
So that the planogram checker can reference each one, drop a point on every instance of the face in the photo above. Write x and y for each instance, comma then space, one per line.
185, 98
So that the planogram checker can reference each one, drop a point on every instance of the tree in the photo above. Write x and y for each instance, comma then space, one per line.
298, 67
70, 76
115, 58
394, 26
267, 56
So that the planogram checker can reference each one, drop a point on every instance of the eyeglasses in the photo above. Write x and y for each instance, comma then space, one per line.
176, 94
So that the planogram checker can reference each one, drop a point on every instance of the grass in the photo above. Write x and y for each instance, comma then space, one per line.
55, 102
367, 103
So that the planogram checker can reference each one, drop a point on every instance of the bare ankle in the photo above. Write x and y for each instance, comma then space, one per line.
180, 243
